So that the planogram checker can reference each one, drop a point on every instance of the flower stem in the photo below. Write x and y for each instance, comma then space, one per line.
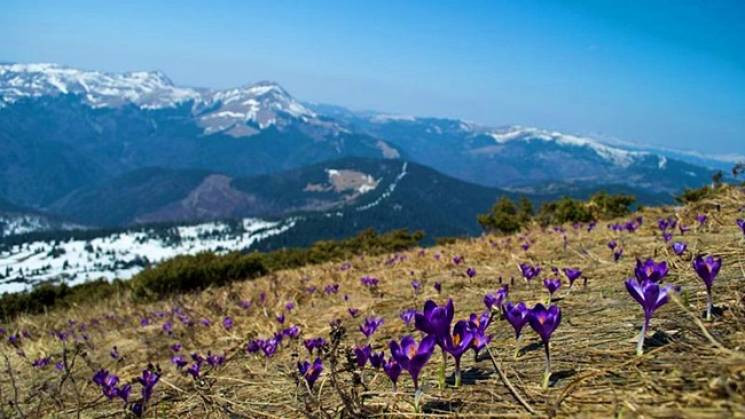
547, 373
709, 305
640, 345
517, 347
442, 369
457, 373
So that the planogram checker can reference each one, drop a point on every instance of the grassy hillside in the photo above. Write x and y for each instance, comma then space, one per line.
690, 367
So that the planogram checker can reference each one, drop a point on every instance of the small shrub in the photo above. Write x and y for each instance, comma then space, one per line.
505, 217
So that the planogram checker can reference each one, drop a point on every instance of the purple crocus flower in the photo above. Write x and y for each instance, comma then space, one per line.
438, 287
493, 301
552, 285
369, 281
412, 357
41, 362
370, 325
529, 272
679, 248
245, 304
362, 354
176, 347
314, 343
707, 269
227, 323
392, 370
179, 361
289, 306
215, 360
331, 289
701, 218
741, 224
309, 371
471, 272
572, 274
270, 347
617, 255
148, 380
168, 327
194, 370
478, 325
377, 360
663, 224
416, 285
205, 322
612, 244
457, 343
435, 320
457, 260
517, 316
281, 318
291, 332
354, 312
525, 246
651, 296
114, 353
650, 270
544, 321
408, 315
667, 236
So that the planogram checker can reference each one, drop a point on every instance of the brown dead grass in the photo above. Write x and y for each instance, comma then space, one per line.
692, 368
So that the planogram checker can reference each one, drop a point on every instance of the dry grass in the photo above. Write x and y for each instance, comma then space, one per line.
691, 368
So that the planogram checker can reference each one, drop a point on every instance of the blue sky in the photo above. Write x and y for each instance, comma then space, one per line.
667, 73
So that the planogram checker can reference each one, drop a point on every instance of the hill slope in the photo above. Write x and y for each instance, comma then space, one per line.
689, 368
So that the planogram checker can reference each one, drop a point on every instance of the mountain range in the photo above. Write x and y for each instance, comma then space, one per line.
102, 149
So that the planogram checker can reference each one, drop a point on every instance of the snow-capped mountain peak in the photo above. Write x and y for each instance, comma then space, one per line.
241, 111
147, 89
615, 155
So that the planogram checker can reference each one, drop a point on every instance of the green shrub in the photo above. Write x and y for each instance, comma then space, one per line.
506, 217
196, 272
694, 195
564, 210
46, 296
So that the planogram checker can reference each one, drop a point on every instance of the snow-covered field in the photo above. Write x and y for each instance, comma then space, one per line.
122, 255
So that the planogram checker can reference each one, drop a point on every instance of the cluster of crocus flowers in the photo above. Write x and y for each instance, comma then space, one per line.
369, 281
109, 385
707, 269
650, 270
435, 321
